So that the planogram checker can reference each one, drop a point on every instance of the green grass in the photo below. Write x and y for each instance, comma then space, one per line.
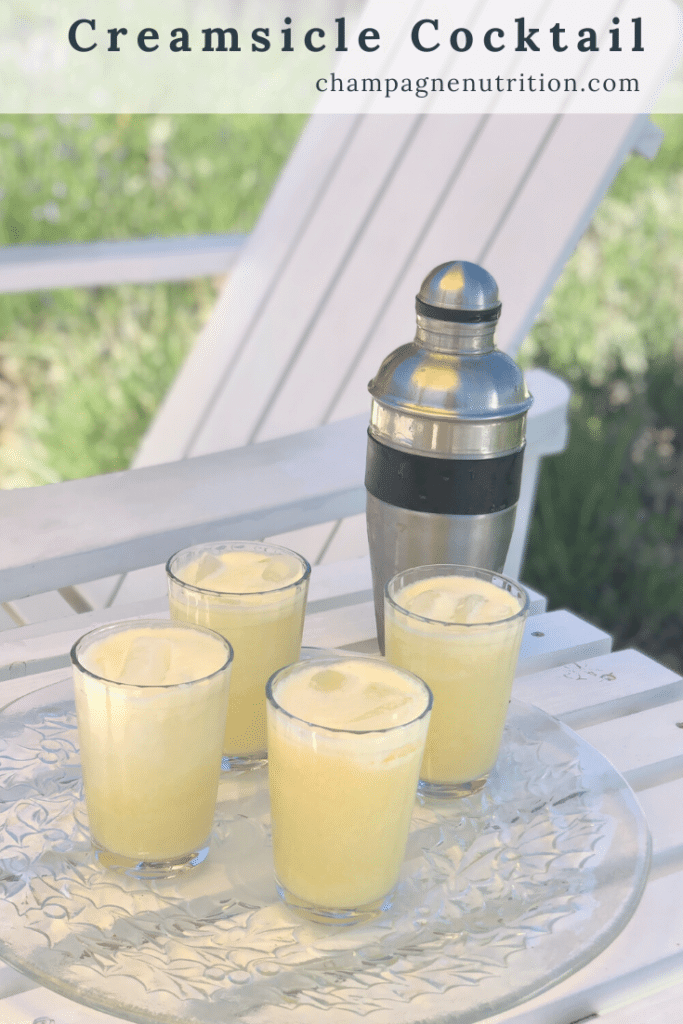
84, 178
82, 371
94, 366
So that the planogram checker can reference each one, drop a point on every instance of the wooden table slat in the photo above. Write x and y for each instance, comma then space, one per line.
625, 747
587, 691
656, 1007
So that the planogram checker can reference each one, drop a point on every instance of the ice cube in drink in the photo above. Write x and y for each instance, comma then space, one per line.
150, 700
460, 630
254, 595
345, 738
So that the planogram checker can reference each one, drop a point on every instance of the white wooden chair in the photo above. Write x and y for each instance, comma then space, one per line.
324, 287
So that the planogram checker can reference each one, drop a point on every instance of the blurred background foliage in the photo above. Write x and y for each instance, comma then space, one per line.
82, 371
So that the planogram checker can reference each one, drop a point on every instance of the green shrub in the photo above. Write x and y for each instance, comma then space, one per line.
606, 539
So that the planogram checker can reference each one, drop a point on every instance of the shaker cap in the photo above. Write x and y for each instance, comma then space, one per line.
451, 393
459, 292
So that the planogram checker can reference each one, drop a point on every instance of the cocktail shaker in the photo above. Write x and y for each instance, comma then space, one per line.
446, 436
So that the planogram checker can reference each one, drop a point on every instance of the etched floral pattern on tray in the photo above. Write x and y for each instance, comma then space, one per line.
502, 894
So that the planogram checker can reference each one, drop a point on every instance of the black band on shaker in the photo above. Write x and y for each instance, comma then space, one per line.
457, 316
460, 487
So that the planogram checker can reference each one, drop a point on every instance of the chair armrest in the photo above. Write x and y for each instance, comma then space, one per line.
70, 533
81, 530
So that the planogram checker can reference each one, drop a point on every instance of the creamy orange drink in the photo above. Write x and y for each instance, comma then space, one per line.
460, 630
254, 595
346, 736
151, 698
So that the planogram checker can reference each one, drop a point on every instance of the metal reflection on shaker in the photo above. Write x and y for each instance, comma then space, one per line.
446, 436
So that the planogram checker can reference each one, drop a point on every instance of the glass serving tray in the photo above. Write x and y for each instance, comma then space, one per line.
502, 894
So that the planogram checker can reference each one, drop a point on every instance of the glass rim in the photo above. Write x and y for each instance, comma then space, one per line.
124, 625
334, 659
238, 593
466, 571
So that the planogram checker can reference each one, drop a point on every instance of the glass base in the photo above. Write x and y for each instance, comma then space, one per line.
334, 915
150, 869
451, 790
243, 762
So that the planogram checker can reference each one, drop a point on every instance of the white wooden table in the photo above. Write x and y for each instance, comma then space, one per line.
623, 703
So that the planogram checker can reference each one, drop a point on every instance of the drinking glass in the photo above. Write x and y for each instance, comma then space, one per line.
151, 698
254, 594
346, 736
460, 629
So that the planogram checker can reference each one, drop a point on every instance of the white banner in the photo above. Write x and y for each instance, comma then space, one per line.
388, 56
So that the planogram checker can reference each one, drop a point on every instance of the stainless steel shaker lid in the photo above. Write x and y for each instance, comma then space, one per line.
459, 292
451, 392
